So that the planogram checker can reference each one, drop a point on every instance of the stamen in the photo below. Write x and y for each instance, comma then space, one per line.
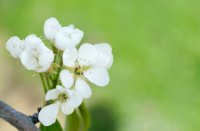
78, 70
62, 97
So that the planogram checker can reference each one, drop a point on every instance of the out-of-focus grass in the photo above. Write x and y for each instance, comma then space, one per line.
155, 78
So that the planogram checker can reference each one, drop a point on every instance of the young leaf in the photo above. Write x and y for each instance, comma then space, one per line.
85, 117
54, 127
73, 122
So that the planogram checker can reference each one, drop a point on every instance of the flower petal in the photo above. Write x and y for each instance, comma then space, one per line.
48, 114
33, 41
104, 58
68, 37
98, 76
86, 54
69, 56
53, 94
15, 46
66, 78
28, 61
36, 55
67, 108
45, 60
51, 27
74, 99
83, 89
60, 88
34, 45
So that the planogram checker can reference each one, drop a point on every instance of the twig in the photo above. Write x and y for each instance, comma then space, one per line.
17, 119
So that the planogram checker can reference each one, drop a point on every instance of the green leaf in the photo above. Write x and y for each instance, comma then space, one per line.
73, 122
54, 127
85, 117
79, 120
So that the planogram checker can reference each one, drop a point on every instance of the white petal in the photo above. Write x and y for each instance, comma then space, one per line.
86, 54
45, 60
104, 58
28, 60
34, 45
48, 114
74, 99
67, 108
60, 88
83, 88
68, 37
98, 76
32, 40
53, 94
69, 56
46, 57
51, 27
66, 78
36, 55
15, 46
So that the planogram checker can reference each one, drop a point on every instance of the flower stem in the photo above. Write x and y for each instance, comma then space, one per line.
48, 81
59, 59
43, 82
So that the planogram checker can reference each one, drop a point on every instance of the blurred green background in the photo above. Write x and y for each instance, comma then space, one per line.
155, 78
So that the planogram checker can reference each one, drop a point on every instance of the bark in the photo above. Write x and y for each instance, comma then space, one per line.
19, 120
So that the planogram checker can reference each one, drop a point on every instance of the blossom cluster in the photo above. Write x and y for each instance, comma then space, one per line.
79, 67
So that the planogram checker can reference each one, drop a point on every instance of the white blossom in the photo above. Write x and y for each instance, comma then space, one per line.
51, 27
62, 36
89, 63
36, 55
68, 36
15, 46
64, 98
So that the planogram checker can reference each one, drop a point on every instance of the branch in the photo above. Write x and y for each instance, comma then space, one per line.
17, 119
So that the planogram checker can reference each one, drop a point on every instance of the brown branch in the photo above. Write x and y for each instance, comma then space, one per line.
17, 119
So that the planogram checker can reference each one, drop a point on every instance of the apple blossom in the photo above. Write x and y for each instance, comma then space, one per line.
15, 46
89, 63
68, 36
72, 68
51, 27
62, 36
64, 98
36, 55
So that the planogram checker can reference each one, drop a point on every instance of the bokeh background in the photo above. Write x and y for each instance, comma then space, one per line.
155, 78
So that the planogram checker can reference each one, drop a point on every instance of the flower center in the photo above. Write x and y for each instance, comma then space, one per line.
78, 70
62, 97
